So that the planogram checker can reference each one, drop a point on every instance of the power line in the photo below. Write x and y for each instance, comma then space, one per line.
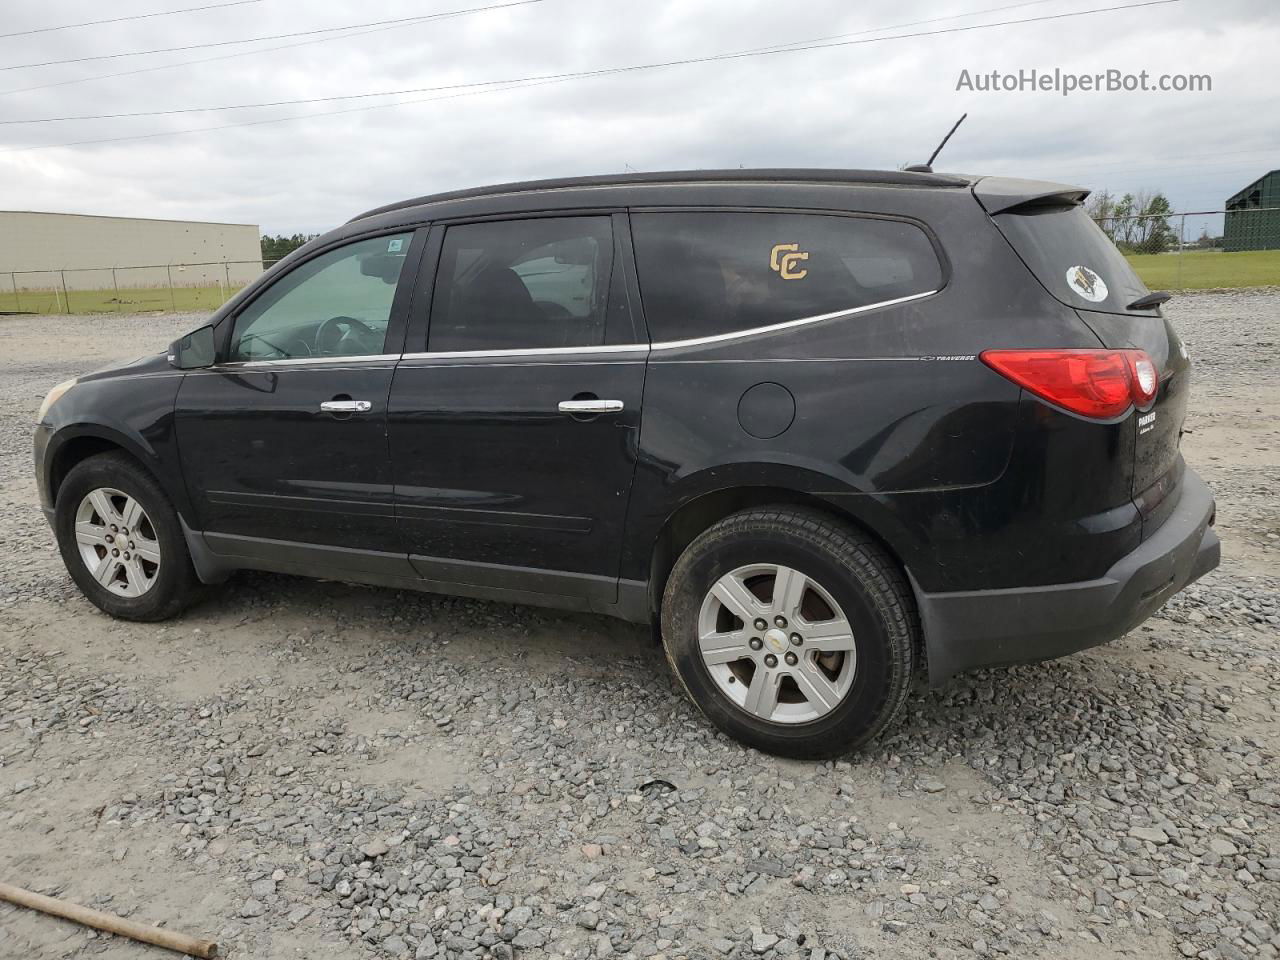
256, 123
1216, 170
1173, 170
1126, 166
1174, 167
490, 86
251, 53
914, 23
781, 47
277, 36
136, 16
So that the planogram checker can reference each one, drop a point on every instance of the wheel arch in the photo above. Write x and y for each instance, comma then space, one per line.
698, 513
72, 446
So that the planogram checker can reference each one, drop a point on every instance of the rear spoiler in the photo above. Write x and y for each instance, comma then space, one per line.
1001, 194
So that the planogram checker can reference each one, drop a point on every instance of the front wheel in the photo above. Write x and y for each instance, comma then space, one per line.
791, 631
121, 540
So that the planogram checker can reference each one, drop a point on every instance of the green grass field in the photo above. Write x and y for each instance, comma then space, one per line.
1206, 269
184, 299
1192, 270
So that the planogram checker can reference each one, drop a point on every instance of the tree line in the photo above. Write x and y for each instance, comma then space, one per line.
277, 248
1136, 222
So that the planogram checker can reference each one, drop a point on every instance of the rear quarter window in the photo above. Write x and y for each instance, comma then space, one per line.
703, 274
1072, 257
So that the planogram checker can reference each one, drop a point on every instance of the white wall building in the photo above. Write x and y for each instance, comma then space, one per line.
97, 253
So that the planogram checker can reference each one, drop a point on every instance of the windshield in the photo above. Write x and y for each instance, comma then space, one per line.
1072, 257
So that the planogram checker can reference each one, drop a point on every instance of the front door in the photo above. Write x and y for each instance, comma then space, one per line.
284, 442
515, 417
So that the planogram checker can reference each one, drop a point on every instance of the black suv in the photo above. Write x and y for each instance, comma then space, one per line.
823, 427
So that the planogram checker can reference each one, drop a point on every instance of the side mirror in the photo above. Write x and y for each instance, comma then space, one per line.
197, 349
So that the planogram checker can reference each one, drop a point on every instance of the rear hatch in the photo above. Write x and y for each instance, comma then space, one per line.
1077, 263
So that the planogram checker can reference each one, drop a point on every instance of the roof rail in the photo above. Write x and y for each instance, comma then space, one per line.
779, 175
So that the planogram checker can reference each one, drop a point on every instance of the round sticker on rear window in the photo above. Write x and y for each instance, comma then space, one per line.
1087, 284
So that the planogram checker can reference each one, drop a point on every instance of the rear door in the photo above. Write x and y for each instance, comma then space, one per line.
514, 416
1077, 263
284, 441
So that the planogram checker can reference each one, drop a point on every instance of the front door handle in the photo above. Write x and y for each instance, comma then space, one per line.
591, 406
346, 406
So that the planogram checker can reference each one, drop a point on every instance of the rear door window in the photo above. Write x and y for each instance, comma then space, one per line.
703, 274
522, 285
1072, 257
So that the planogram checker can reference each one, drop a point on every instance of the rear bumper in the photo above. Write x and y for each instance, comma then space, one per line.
982, 628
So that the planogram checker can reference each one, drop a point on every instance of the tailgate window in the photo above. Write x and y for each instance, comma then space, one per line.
1072, 257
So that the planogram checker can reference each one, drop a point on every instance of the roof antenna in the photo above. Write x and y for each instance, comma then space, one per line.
927, 167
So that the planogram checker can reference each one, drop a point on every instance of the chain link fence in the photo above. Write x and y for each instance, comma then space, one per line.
1201, 250
1175, 251
173, 287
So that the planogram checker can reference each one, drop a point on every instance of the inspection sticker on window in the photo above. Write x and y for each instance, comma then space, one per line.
394, 246
1087, 284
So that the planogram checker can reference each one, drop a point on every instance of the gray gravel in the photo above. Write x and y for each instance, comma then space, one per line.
314, 769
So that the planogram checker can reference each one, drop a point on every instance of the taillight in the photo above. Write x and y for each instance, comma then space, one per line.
1145, 380
1099, 384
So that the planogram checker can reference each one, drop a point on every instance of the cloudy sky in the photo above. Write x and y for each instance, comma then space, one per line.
858, 104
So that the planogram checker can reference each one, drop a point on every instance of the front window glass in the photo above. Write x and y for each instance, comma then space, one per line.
522, 284
334, 305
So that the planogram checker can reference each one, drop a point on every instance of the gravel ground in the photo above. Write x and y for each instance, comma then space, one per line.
299, 768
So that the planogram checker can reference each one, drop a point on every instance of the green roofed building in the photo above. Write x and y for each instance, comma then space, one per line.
1253, 216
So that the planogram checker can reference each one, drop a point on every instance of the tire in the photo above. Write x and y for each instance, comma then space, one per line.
846, 580
168, 587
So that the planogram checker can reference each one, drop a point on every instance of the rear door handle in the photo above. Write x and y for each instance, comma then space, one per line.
591, 406
346, 406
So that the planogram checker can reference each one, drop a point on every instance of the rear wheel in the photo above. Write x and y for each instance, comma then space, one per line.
121, 540
791, 631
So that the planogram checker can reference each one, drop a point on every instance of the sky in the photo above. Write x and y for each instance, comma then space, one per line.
868, 102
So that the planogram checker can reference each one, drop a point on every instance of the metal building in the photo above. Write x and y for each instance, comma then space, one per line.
1253, 216
83, 252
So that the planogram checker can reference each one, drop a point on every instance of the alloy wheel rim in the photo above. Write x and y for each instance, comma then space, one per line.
777, 644
117, 542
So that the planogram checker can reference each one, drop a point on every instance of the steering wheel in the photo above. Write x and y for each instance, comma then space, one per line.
329, 335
